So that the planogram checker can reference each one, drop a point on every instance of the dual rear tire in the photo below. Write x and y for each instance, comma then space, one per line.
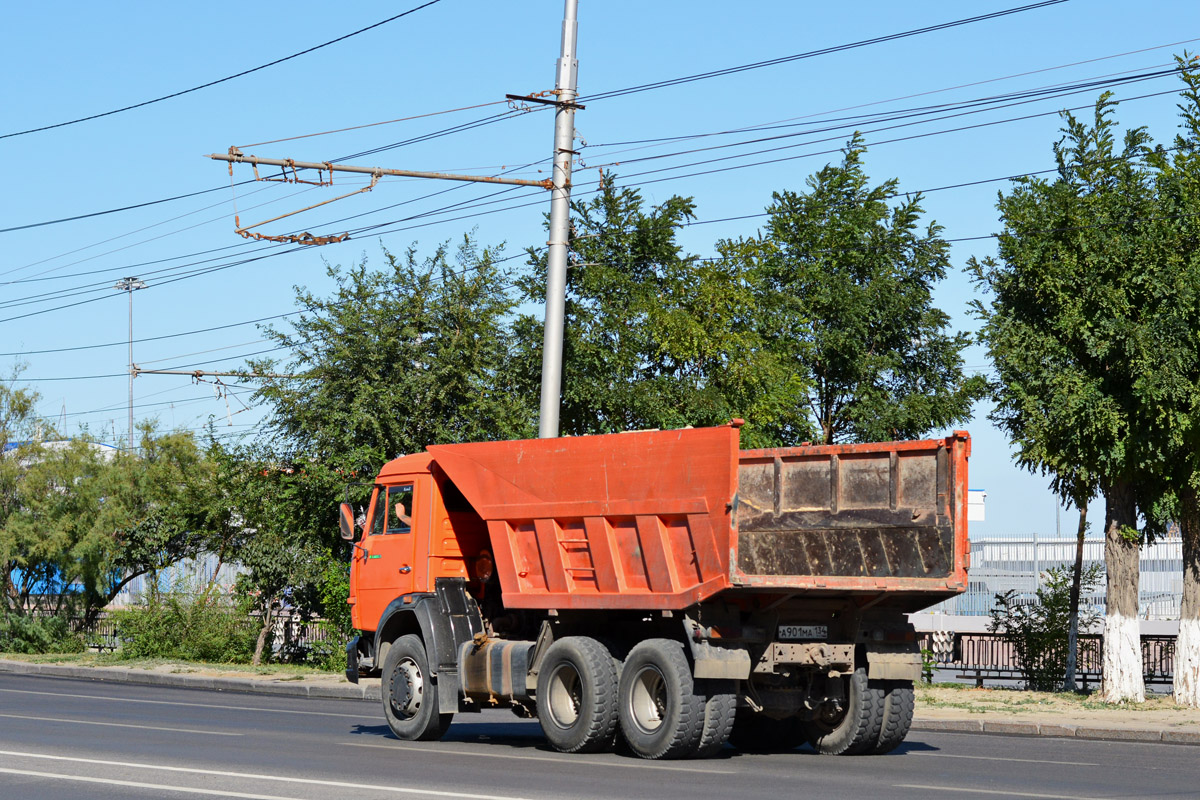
873, 720
585, 696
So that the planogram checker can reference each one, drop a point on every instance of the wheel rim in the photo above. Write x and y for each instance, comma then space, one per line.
408, 687
648, 699
565, 695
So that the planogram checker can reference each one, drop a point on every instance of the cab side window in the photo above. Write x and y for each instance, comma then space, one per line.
379, 511
399, 508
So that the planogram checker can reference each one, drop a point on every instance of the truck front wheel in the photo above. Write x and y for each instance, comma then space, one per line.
410, 699
576, 695
661, 714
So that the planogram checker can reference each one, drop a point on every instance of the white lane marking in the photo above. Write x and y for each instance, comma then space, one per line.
998, 758
252, 776
193, 705
1002, 792
567, 760
158, 787
118, 725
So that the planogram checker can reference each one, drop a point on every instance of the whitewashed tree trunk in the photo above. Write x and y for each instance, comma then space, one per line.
1187, 646
1122, 659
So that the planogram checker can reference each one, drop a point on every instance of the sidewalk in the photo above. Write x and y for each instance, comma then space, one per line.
206, 677
1006, 711
939, 708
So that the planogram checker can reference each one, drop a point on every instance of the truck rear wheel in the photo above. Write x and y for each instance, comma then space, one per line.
854, 728
577, 695
410, 699
720, 710
661, 714
898, 702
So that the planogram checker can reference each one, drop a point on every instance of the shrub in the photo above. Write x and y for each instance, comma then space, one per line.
1038, 631
36, 634
181, 627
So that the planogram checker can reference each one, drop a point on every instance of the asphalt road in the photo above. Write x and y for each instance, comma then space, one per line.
78, 739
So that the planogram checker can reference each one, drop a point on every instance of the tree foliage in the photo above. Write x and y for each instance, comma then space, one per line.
415, 354
848, 284
1039, 631
654, 337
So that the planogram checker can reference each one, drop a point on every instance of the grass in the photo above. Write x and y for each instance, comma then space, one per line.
1001, 700
293, 672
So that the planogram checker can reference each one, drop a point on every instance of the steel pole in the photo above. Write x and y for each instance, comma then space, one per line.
130, 442
560, 224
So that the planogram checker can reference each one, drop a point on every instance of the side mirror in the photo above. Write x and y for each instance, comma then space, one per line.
346, 521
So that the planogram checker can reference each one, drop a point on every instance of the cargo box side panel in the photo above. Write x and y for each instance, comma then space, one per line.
638, 520
857, 516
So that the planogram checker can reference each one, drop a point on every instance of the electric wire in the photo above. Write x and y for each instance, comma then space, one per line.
222, 80
813, 53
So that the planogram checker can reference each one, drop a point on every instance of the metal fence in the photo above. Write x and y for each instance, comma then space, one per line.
189, 575
998, 565
981, 656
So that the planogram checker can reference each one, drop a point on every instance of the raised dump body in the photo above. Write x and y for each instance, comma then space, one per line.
661, 583
666, 519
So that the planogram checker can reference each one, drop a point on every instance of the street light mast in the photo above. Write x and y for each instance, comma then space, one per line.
130, 285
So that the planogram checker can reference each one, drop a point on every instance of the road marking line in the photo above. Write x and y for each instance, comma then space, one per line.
998, 758
252, 776
566, 759
137, 785
1002, 792
118, 725
195, 705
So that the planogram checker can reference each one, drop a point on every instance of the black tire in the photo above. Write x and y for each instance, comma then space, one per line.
755, 733
720, 710
577, 695
898, 704
855, 729
661, 714
410, 698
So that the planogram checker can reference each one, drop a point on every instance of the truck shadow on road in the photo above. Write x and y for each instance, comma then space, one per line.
527, 735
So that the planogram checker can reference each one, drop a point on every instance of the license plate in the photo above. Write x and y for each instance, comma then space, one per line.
803, 631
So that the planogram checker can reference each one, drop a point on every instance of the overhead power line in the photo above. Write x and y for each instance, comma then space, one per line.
221, 80
813, 53
511, 113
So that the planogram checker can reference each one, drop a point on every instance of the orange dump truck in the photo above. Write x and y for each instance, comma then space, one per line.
661, 586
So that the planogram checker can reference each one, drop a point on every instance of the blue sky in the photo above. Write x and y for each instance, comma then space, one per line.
68, 60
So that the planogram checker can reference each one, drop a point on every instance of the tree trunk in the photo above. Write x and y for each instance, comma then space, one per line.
1187, 645
268, 620
1076, 578
1123, 678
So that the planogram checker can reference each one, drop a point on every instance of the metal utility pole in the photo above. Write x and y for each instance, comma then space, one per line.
130, 285
560, 223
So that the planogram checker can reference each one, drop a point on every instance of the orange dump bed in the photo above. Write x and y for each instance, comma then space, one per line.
666, 519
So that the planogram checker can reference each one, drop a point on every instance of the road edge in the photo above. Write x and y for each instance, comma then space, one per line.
289, 688
370, 693
1058, 731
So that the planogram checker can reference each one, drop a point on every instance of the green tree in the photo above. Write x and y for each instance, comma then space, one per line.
17, 430
147, 514
848, 282
1172, 367
655, 337
1067, 329
1039, 632
415, 354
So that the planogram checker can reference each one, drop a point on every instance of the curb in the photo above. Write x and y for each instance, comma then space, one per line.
243, 685
1153, 735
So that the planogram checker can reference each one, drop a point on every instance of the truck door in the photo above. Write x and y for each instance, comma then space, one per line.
387, 562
